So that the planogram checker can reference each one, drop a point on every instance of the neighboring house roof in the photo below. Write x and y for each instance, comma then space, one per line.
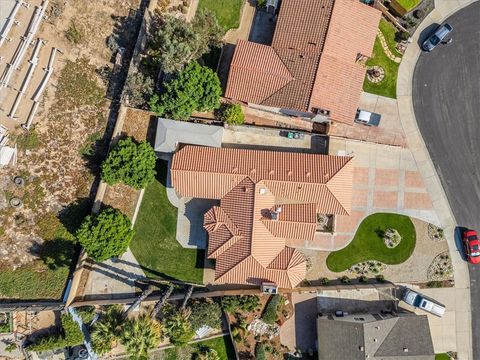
318, 42
170, 133
249, 245
404, 337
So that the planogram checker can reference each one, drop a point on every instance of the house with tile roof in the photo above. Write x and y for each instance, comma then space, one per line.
375, 337
315, 65
267, 198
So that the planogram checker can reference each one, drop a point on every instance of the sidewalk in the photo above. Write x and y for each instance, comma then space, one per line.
463, 342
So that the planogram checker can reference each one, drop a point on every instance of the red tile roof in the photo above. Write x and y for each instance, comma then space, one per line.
248, 244
305, 33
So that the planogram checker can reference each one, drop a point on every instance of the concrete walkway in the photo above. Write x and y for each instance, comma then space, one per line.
443, 9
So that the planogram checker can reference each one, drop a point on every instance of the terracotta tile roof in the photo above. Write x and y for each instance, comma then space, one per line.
260, 71
306, 31
339, 81
248, 244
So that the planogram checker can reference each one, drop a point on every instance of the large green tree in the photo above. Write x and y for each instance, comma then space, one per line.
176, 42
177, 326
197, 88
205, 312
130, 163
105, 235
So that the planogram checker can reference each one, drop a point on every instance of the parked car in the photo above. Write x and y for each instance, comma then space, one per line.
422, 302
437, 37
367, 118
471, 245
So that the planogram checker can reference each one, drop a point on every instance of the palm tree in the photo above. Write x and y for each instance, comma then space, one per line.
178, 326
141, 335
107, 330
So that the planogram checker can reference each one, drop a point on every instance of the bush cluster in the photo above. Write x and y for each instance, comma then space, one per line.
269, 315
247, 303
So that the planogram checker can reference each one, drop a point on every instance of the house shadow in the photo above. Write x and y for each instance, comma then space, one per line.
195, 210
306, 314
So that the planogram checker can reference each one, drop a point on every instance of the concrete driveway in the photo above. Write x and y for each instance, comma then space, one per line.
445, 98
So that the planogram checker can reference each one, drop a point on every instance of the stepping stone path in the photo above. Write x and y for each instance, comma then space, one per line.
387, 51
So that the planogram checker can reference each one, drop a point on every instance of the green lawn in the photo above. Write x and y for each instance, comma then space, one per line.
222, 345
226, 11
388, 86
408, 4
155, 245
368, 244
442, 357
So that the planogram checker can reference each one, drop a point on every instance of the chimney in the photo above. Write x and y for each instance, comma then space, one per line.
405, 349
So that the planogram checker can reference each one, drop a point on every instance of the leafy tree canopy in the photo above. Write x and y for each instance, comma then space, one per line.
207, 313
176, 42
107, 330
130, 163
178, 327
105, 235
197, 88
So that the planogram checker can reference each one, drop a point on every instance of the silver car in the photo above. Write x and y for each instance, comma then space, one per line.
422, 302
440, 34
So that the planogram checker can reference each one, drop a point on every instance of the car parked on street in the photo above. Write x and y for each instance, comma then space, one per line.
367, 118
471, 245
423, 302
437, 37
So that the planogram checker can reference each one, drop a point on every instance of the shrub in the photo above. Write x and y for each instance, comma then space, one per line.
138, 88
11, 347
196, 88
72, 336
233, 114
247, 303
140, 336
105, 235
205, 312
208, 354
324, 281
380, 278
363, 279
269, 315
260, 351
178, 327
419, 14
130, 163
434, 284
107, 330
345, 279
74, 33
86, 313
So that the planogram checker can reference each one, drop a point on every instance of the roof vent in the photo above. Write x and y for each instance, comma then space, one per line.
271, 172
289, 173
375, 340
235, 169
327, 175
246, 189
278, 209
360, 348
405, 350
263, 191
308, 174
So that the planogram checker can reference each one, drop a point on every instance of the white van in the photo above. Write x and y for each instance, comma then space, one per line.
422, 302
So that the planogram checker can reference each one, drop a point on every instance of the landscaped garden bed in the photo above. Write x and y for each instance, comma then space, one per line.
368, 243
388, 85
255, 324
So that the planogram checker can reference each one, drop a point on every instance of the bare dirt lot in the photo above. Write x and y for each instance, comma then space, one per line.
58, 158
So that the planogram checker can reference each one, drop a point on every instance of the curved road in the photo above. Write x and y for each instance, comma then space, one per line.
446, 99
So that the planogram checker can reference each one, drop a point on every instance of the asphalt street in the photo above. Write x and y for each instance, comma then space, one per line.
446, 99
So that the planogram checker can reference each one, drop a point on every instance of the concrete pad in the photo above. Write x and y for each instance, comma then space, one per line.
413, 179
360, 175
385, 199
446, 7
417, 201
